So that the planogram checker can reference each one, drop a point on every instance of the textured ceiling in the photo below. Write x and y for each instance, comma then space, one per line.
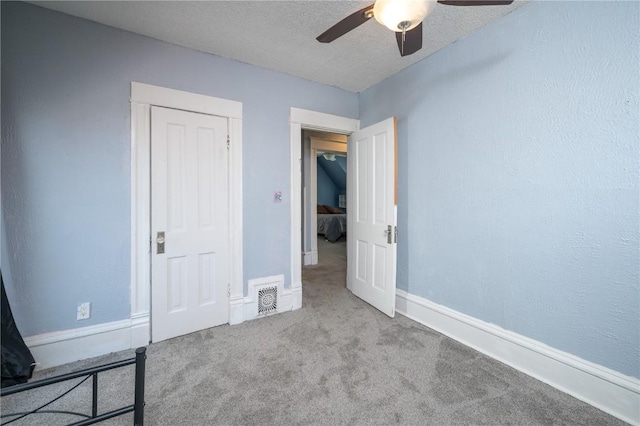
280, 35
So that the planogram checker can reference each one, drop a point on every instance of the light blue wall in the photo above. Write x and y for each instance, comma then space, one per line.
518, 176
328, 191
66, 158
518, 168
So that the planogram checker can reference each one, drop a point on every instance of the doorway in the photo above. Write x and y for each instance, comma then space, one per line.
373, 194
310, 120
324, 191
143, 98
324, 195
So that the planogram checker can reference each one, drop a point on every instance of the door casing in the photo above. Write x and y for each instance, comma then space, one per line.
305, 119
143, 96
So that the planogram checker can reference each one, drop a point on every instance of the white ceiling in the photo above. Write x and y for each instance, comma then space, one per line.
281, 35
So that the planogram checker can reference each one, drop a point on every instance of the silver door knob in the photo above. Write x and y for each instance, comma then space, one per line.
160, 243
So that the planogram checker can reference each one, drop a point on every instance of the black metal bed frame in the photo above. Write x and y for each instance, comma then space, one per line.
137, 408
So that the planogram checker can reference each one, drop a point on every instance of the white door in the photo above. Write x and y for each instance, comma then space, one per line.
189, 204
371, 241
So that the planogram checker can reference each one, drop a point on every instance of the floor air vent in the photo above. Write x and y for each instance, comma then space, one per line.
267, 300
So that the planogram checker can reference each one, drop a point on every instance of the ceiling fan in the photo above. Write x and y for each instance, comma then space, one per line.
402, 16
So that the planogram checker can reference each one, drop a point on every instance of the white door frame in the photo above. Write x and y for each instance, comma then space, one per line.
318, 144
312, 120
143, 96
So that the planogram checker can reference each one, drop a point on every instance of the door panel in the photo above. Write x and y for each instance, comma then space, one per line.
371, 269
189, 179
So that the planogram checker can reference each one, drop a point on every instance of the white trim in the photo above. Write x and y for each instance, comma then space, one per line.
605, 389
143, 96
296, 298
286, 301
140, 209
296, 205
235, 214
236, 309
250, 307
140, 330
177, 99
311, 257
305, 119
62, 347
324, 122
303, 220
313, 203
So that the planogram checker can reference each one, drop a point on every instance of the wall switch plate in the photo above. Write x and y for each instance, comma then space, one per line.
84, 311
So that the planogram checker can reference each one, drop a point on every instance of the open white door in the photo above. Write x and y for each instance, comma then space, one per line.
371, 241
189, 222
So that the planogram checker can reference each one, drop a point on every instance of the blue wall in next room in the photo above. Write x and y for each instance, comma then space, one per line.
327, 189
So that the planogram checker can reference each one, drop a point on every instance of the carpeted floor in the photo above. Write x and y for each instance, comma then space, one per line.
335, 361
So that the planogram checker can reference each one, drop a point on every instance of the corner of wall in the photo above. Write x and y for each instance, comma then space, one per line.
605, 389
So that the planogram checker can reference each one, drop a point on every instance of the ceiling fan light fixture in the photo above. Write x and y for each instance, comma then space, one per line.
402, 15
329, 156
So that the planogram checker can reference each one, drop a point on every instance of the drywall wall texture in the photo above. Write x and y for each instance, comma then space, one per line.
518, 176
66, 157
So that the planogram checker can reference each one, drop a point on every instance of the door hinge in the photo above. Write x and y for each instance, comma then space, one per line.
229, 290
395, 234
228, 141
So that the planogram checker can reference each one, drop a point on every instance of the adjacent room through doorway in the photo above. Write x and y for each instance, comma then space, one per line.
371, 201
324, 209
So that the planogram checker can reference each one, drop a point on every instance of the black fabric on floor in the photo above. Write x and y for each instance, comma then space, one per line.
17, 361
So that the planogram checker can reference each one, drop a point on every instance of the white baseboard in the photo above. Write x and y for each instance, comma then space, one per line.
236, 309
296, 297
310, 258
285, 301
605, 389
140, 330
62, 347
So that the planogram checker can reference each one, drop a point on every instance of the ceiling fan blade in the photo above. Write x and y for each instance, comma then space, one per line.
412, 41
347, 24
476, 2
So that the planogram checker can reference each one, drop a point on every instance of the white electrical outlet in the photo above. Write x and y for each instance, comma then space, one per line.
84, 311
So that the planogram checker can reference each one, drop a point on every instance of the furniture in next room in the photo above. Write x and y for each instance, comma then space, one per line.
332, 222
